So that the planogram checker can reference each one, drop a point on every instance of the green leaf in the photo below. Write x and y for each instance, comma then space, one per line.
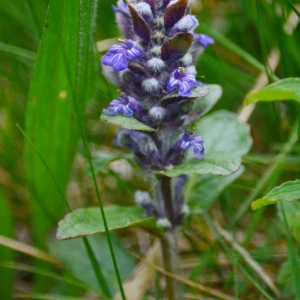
88, 221
63, 58
286, 280
78, 263
17, 51
292, 211
125, 122
206, 103
207, 188
102, 159
222, 131
218, 163
286, 89
288, 191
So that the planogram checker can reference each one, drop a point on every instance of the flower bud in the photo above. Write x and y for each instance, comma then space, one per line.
164, 222
156, 64
157, 113
151, 85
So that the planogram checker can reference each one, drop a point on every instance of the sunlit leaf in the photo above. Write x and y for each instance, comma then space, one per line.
125, 122
288, 191
88, 221
286, 89
218, 163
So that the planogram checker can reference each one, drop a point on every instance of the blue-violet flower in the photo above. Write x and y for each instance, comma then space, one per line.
183, 81
118, 55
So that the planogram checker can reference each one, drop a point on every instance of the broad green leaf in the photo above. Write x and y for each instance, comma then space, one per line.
292, 212
78, 263
6, 254
207, 188
102, 159
125, 122
218, 163
222, 131
286, 89
62, 63
286, 280
88, 221
206, 103
288, 191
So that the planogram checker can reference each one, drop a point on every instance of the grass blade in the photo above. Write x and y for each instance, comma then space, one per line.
292, 254
88, 7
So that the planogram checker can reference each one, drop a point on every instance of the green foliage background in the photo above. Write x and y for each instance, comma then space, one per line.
50, 69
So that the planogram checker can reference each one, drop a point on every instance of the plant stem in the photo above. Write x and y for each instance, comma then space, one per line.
169, 246
171, 260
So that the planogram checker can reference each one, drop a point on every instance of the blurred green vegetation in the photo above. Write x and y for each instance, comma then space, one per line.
261, 232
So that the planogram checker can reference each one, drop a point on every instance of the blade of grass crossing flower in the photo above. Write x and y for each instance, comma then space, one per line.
89, 250
292, 254
87, 13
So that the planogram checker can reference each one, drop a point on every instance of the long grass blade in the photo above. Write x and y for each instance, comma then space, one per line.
88, 7
292, 254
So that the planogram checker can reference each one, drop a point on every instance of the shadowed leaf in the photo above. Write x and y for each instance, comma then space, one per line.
177, 46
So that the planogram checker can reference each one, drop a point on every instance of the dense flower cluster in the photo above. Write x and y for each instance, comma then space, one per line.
154, 67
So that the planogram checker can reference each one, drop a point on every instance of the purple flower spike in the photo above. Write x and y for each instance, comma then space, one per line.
117, 55
183, 81
187, 140
203, 40
125, 104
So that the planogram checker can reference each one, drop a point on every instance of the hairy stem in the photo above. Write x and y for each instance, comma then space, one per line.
170, 251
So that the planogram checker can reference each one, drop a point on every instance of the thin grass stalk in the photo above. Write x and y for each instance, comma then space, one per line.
78, 94
292, 254
227, 251
294, 8
261, 40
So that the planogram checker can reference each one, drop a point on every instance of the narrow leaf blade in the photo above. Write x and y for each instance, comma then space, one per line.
286, 89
